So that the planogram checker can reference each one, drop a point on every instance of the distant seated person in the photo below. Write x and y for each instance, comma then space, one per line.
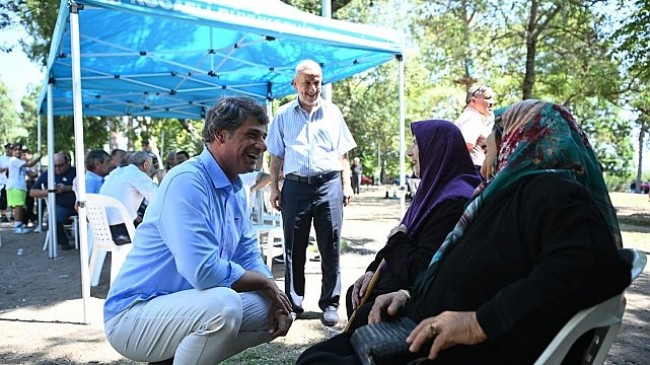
98, 165
449, 178
170, 161
64, 199
182, 156
130, 185
119, 158
537, 243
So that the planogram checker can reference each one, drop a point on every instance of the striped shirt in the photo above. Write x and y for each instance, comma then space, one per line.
310, 144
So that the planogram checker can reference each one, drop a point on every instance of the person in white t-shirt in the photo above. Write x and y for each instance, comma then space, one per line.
473, 121
4, 168
17, 186
130, 185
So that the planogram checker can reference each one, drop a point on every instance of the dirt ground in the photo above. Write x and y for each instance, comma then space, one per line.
42, 314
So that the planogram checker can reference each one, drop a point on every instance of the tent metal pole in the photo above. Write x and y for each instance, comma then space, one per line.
79, 156
402, 152
39, 202
51, 191
326, 12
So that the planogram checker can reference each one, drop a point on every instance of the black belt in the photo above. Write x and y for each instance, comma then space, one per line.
316, 179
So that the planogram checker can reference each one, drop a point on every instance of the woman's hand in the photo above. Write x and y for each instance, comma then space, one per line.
360, 287
388, 304
446, 329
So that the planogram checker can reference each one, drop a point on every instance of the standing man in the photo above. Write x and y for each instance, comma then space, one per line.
308, 140
357, 171
195, 286
472, 122
65, 197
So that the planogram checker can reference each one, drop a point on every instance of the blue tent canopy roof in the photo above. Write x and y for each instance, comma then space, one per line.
174, 58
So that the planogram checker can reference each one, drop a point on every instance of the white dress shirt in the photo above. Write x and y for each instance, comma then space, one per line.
129, 185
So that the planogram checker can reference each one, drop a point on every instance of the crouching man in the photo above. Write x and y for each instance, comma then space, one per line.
194, 288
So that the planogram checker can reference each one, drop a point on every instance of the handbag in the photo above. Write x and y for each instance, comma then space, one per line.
384, 342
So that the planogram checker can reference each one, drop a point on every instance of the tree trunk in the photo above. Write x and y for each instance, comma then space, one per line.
531, 49
639, 171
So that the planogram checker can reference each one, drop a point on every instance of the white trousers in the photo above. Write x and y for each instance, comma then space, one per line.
202, 327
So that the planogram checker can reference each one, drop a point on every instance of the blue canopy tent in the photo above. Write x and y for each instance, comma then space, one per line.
175, 58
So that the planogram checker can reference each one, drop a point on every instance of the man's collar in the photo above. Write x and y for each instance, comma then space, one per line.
318, 105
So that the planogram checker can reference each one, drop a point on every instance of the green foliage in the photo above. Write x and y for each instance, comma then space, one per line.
39, 18
555, 50
605, 129
10, 127
634, 37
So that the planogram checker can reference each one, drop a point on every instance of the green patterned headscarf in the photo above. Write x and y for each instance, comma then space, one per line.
536, 137
540, 137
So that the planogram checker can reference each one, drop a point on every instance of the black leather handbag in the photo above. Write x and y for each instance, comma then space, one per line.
384, 342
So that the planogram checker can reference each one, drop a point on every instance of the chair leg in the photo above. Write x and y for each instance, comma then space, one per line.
275, 233
75, 231
95, 267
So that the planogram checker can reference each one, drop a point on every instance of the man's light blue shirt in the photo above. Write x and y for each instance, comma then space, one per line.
94, 182
196, 234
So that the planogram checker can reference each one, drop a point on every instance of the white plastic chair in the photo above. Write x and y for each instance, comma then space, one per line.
267, 221
604, 317
96, 206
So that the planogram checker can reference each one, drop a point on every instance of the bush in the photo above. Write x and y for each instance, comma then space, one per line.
616, 183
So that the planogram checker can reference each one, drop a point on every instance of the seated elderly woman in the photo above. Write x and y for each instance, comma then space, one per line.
537, 244
449, 178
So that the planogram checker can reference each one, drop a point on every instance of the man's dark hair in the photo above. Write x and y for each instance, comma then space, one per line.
124, 161
95, 156
183, 153
230, 113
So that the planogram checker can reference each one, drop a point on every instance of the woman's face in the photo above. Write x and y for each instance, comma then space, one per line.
487, 170
414, 154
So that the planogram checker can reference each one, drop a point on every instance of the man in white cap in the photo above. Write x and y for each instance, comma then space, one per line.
473, 121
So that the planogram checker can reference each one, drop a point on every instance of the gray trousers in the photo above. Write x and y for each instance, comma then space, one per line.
202, 327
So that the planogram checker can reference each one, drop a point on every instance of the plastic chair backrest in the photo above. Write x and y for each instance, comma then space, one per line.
604, 317
96, 206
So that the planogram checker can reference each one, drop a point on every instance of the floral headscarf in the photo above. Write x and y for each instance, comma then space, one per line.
536, 137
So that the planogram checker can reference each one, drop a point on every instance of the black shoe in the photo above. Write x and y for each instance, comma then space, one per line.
164, 362
298, 309
66, 247
4, 219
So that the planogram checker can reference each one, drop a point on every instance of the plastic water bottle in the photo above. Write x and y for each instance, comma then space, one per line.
19, 252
